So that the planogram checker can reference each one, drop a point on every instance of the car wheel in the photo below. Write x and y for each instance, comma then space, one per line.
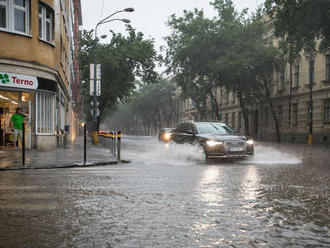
206, 155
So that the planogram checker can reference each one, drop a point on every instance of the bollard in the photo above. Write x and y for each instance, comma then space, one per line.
23, 144
114, 143
111, 142
118, 145
85, 143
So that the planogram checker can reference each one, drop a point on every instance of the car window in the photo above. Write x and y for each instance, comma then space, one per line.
214, 128
180, 128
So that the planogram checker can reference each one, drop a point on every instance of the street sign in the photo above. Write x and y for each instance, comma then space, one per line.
98, 71
97, 112
98, 87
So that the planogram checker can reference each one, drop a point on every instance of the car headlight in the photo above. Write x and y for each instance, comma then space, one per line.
167, 136
250, 142
212, 143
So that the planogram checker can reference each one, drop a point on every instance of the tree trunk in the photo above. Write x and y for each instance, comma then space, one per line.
271, 106
215, 106
290, 97
245, 113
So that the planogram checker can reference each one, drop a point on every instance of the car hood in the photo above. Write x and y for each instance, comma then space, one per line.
221, 137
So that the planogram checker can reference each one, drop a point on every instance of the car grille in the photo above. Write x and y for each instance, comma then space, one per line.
235, 144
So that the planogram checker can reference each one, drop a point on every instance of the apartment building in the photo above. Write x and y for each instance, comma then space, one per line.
37, 69
291, 99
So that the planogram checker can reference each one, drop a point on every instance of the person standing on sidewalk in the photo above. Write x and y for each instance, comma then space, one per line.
16, 123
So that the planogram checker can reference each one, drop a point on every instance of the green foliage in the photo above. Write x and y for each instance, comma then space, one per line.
228, 51
301, 22
151, 106
122, 60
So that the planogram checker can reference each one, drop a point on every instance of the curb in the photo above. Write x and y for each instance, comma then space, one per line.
63, 166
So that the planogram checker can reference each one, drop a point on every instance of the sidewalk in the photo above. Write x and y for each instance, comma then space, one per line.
71, 156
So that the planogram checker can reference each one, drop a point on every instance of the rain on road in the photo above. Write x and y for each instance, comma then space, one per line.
170, 197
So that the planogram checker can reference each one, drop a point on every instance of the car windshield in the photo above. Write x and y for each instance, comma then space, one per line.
214, 128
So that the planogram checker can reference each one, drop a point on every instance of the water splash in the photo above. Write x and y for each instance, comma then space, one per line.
149, 151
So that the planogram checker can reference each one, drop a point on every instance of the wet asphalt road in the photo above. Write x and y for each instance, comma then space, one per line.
170, 197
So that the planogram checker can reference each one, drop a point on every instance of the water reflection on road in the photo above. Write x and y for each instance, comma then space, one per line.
170, 197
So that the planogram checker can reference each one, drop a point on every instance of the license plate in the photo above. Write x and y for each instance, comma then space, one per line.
236, 149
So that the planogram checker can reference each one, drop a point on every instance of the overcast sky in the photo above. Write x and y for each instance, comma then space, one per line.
150, 16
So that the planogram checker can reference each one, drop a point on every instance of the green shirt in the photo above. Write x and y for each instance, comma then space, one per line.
17, 120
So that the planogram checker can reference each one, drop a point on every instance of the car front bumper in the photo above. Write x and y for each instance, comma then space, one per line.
222, 151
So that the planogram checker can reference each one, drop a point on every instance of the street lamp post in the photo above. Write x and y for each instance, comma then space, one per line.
103, 21
311, 82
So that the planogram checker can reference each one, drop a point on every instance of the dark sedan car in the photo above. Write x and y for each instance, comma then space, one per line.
217, 139
165, 134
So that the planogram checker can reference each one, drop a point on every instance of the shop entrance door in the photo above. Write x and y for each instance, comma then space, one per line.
9, 101
26, 108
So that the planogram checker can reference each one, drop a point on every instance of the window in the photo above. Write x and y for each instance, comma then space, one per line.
280, 115
311, 71
3, 14
234, 97
266, 121
45, 113
239, 120
327, 111
295, 114
46, 22
327, 67
282, 80
227, 96
226, 118
296, 76
233, 120
14, 16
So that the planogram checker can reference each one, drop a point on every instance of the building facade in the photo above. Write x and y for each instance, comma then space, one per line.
291, 99
37, 71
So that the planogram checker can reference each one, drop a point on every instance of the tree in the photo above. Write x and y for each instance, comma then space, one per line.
122, 60
301, 22
152, 105
228, 51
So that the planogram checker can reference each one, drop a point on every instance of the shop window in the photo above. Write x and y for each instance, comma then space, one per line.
327, 111
46, 22
45, 113
14, 16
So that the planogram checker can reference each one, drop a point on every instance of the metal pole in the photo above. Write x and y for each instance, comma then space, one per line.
311, 81
111, 142
118, 145
23, 144
85, 143
94, 91
114, 143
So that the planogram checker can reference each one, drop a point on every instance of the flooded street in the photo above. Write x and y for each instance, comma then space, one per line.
169, 196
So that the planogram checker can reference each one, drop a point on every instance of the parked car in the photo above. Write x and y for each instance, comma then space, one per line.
165, 134
217, 139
